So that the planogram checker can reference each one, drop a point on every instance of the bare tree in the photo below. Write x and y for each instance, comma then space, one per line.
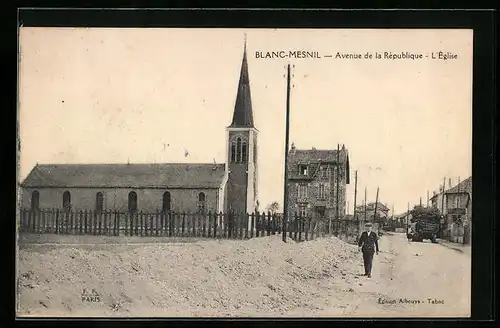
273, 207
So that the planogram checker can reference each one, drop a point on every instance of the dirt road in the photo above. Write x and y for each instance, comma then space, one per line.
414, 279
258, 277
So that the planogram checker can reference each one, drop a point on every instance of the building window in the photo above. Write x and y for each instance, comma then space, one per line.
233, 152
302, 211
132, 202
321, 191
99, 202
320, 210
201, 202
166, 202
238, 149
324, 171
66, 201
303, 169
244, 152
302, 191
35, 200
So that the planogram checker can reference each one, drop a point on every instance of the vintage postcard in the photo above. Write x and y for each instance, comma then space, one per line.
168, 172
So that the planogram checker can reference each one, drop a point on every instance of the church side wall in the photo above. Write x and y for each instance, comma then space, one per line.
117, 199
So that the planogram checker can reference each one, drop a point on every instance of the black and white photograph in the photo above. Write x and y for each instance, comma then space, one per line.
209, 172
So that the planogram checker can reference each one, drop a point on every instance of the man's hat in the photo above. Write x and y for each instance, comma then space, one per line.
368, 224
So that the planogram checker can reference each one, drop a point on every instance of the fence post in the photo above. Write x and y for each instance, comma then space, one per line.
215, 217
299, 223
296, 226
57, 222
157, 222
252, 224
183, 223
269, 222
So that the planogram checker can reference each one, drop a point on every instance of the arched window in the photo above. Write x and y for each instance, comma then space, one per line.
35, 200
132, 202
244, 152
238, 149
233, 152
66, 201
99, 202
201, 202
166, 202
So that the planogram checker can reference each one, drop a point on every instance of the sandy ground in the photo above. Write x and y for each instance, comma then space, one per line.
258, 277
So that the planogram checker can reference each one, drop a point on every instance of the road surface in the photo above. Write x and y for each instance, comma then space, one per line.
413, 279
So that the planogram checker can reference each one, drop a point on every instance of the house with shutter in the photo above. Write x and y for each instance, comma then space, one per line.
168, 186
317, 181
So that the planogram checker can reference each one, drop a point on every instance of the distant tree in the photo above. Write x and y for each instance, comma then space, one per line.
424, 211
273, 207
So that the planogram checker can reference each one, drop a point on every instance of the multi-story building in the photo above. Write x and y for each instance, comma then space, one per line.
317, 181
455, 204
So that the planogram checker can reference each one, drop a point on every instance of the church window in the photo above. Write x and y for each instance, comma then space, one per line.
233, 152
166, 202
99, 202
35, 200
66, 201
238, 149
132, 201
244, 152
201, 202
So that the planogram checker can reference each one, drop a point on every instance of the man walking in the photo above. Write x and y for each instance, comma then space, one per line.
368, 244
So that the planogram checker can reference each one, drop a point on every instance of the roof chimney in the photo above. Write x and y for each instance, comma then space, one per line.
292, 150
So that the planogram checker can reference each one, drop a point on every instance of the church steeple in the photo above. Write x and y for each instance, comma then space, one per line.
243, 116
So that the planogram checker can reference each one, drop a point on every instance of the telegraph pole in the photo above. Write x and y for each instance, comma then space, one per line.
365, 204
337, 183
355, 192
285, 201
408, 217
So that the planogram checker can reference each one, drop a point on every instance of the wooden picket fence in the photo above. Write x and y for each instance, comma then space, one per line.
173, 224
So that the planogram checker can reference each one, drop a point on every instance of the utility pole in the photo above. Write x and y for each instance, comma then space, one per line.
420, 201
427, 198
408, 217
442, 196
355, 192
375, 211
337, 187
285, 201
365, 204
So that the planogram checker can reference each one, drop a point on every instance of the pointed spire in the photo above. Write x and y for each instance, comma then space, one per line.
243, 115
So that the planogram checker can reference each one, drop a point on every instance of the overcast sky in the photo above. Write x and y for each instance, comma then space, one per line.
149, 95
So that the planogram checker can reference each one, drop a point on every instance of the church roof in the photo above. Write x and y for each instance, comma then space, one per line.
174, 175
243, 115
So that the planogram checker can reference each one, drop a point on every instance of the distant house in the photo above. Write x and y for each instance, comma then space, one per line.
455, 204
317, 182
382, 211
165, 187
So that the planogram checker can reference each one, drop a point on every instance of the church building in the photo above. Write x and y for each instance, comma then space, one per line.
166, 187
